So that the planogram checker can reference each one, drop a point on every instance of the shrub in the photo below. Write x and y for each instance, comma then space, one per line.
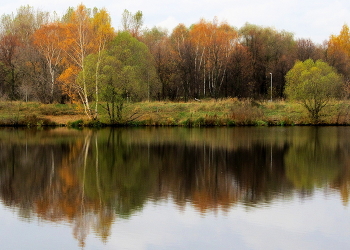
76, 124
187, 123
95, 124
245, 113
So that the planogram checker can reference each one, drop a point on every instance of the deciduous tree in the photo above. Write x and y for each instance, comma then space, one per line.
18, 56
104, 33
77, 45
182, 50
313, 84
132, 22
126, 73
222, 41
158, 43
48, 41
86, 33
338, 52
9, 50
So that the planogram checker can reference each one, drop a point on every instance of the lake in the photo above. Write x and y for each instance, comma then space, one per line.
175, 188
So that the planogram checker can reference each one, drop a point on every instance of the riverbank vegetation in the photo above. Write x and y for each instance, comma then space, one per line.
77, 69
226, 112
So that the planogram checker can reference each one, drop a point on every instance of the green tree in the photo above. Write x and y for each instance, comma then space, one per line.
140, 81
313, 84
126, 73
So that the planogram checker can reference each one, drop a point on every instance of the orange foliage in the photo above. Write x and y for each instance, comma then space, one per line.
338, 53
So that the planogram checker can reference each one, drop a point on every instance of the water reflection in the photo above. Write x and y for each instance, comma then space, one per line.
91, 178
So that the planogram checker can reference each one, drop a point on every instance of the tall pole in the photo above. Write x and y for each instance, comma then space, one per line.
148, 84
271, 86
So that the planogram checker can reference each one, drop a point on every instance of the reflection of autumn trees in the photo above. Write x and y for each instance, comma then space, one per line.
196, 174
208, 177
342, 180
41, 179
88, 178
214, 179
24, 173
320, 159
313, 162
124, 177
67, 199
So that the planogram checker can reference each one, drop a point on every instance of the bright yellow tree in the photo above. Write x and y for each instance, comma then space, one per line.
338, 53
87, 33
104, 33
77, 45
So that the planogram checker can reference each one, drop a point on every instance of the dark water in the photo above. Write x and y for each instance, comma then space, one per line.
175, 188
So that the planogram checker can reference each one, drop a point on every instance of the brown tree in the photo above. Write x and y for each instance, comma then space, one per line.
9, 52
158, 43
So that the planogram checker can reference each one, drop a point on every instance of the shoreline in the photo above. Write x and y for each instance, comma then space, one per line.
208, 113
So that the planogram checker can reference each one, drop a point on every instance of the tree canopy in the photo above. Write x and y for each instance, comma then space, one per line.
313, 84
126, 72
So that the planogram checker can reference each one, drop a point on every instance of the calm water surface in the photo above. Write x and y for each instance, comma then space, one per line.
175, 188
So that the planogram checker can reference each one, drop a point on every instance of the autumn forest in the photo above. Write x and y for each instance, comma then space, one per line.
80, 57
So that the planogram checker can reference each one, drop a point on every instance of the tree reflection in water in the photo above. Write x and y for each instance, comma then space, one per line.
91, 178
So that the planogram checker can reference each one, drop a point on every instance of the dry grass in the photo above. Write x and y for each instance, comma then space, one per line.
228, 112
65, 119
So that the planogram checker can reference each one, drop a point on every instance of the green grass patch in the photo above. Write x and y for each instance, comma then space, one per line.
228, 112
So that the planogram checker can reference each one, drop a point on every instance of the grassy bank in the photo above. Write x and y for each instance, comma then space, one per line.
229, 112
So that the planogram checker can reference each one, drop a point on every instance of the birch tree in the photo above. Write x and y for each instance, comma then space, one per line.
86, 33
104, 33
48, 41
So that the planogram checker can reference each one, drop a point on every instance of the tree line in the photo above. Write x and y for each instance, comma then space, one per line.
80, 57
